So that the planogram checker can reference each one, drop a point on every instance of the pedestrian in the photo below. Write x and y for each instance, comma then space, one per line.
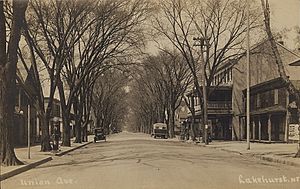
56, 138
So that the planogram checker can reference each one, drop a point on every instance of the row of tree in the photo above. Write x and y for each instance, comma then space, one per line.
110, 105
71, 43
158, 89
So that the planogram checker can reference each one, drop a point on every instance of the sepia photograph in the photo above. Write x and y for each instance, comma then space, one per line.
149, 94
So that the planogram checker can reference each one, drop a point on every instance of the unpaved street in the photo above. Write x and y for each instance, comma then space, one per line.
137, 161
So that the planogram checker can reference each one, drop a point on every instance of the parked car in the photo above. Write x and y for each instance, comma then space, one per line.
160, 130
99, 134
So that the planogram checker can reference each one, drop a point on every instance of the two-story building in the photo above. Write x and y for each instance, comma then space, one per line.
272, 108
219, 106
25, 112
271, 105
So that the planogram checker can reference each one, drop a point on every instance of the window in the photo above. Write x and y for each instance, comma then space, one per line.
294, 116
258, 101
275, 96
230, 74
226, 76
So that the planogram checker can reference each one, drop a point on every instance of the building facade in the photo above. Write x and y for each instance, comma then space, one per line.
270, 109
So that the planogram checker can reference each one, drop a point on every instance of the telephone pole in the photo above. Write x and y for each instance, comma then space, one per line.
248, 79
204, 90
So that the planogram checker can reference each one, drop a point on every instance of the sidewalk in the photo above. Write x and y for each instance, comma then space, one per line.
278, 153
37, 157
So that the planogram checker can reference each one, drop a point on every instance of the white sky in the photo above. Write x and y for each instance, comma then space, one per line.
285, 14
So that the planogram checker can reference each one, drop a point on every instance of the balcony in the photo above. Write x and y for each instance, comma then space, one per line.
215, 107
219, 105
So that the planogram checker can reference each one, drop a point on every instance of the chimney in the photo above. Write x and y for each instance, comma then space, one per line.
281, 42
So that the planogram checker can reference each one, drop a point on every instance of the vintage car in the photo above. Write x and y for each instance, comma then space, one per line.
160, 130
99, 134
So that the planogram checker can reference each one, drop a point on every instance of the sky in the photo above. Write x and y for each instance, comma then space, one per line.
285, 14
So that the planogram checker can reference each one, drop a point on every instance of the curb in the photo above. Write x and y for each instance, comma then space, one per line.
24, 168
261, 157
72, 149
277, 160
37, 163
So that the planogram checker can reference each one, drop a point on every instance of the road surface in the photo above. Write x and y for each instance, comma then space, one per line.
137, 161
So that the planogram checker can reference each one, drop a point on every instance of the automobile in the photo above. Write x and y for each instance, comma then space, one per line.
160, 130
99, 134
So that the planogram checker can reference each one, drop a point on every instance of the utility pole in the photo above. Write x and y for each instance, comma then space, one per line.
204, 91
248, 79
28, 129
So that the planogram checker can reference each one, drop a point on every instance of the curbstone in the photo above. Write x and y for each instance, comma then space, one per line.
27, 167
277, 160
261, 157
72, 149
24, 168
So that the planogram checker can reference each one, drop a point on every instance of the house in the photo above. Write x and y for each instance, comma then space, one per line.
271, 105
25, 111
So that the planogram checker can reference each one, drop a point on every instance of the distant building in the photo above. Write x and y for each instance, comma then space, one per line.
55, 115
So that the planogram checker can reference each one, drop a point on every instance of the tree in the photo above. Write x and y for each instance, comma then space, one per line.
160, 86
8, 65
291, 88
221, 26
51, 28
171, 70
116, 33
109, 99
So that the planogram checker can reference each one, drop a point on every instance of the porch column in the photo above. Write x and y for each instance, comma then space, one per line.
286, 126
269, 128
19, 99
253, 129
287, 118
259, 129
37, 126
242, 124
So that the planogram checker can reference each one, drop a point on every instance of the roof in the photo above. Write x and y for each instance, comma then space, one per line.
288, 57
295, 62
267, 85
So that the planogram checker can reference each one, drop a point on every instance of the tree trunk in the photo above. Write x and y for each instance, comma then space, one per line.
193, 133
77, 121
66, 129
172, 122
45, 138
65, 116
8, 65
